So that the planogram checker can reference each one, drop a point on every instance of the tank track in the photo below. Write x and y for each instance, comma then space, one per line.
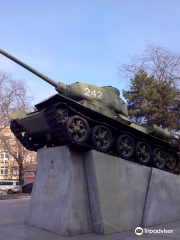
59, 132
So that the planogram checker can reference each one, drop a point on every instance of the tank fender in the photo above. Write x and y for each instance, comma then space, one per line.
18, 114
123, 119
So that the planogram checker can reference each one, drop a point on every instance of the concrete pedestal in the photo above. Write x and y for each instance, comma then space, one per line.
163, 199
78, 192
59, 200
117, 192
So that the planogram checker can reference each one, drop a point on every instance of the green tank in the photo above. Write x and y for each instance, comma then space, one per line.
91, 117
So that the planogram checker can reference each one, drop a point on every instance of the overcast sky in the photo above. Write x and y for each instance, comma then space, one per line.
82, 40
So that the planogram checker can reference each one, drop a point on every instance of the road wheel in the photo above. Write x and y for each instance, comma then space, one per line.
159, 158
172, 160
61, 114
125, 146
101, 138
10, 191
143, 153
77, 129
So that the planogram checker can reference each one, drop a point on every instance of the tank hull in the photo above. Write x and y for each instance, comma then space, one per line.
45, 122
36, 123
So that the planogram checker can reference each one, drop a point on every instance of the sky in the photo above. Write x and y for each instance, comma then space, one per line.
82, 40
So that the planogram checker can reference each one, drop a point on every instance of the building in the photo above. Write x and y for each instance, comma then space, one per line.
11, 151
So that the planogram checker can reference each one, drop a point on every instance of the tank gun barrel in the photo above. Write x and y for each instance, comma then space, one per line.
48, 80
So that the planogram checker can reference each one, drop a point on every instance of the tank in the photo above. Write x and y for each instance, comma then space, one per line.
91, 117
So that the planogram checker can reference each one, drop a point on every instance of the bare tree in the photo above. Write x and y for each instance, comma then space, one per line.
154, 95
157, 62
13, 96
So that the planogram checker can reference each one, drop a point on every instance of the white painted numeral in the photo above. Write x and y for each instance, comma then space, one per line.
88, 91
100, 94
94, 93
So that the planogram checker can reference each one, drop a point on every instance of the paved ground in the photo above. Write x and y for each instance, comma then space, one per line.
12, 227
15, 196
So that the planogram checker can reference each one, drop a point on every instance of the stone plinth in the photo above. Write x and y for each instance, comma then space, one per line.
117, 192
79, 192
163, 199
59, 200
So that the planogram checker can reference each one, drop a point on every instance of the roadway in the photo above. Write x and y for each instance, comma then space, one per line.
12, 227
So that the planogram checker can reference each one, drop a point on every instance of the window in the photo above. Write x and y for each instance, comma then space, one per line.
6, 183
9, 183
4, 157
30, 185
31, 158
4, 170
15, 171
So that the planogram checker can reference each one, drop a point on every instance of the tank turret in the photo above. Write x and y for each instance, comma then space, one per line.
91, 117
79, 91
